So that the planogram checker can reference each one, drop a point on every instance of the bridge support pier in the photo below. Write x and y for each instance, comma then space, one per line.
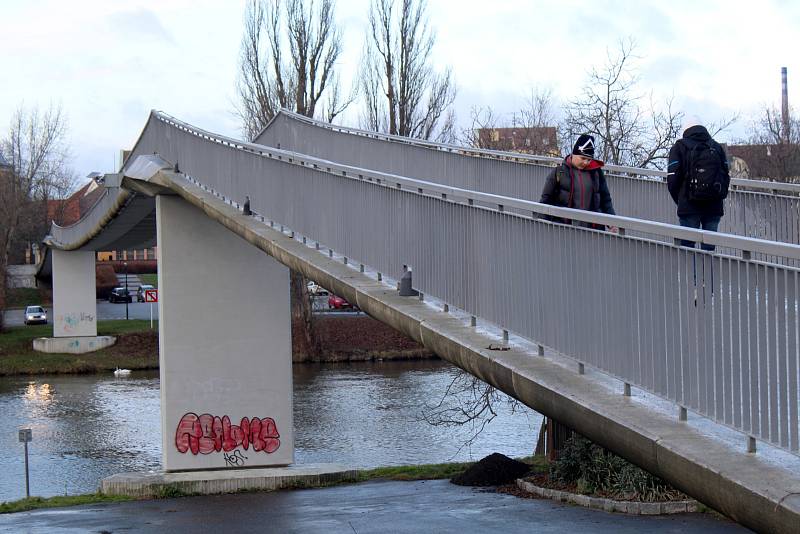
74, 298
225, 346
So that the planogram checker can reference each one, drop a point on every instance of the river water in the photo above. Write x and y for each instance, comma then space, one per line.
86, 427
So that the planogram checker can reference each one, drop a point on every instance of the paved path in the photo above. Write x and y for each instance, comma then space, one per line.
374, 507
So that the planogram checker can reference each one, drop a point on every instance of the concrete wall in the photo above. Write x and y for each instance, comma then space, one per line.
74, 302
225, 346
21, 276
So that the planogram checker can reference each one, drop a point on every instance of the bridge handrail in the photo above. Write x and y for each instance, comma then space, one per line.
671, 231
767, 186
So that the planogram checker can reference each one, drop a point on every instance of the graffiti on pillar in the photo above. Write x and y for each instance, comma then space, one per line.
204, 434
234, 459
71, 322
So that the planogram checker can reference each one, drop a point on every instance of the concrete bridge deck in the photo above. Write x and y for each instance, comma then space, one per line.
761, 490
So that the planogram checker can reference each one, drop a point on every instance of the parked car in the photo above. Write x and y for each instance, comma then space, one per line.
119, 294
141, 290
338, 303
316, 290
35, 315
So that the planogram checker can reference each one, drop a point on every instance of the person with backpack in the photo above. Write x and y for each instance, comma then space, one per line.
579, 182
698, 178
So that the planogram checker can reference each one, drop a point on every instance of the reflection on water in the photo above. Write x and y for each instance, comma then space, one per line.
365, 415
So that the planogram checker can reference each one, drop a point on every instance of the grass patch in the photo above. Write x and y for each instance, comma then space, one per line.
414, 472
34, 503
150, 278
136, 348
172, 491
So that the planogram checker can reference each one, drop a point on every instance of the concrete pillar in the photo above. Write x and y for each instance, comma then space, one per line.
225, 346
74, 294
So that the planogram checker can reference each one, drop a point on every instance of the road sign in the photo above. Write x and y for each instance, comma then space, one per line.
25, 435
151, 295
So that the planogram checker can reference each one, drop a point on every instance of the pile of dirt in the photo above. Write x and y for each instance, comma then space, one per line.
494, 470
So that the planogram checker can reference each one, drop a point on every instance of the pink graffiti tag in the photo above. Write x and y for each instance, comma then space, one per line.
208, 433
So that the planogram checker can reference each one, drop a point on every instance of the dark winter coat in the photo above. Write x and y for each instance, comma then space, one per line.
676, 174
569, 187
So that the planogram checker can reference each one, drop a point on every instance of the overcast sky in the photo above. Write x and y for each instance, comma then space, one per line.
108, 62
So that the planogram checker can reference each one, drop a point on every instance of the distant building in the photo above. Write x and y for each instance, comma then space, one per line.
779, 162
540, 141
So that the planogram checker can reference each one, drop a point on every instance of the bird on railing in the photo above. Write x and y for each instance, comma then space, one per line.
246, 208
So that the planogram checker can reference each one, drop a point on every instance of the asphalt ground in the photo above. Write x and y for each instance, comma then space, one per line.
373, 507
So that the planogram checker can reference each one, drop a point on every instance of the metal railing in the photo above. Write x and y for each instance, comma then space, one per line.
765, 210
714, 333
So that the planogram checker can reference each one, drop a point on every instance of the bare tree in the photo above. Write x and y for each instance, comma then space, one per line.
468, 400
288, 60
533, 127
774, 145
629, 129
402, 93
483, 120
36, 150
536, 122
769, 128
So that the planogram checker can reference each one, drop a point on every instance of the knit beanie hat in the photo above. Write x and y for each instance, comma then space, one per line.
584, 146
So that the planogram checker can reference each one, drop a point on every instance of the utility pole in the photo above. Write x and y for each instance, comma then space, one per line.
127, 296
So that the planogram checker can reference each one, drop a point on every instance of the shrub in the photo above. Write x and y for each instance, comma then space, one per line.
134, 266
593, 469
105, 280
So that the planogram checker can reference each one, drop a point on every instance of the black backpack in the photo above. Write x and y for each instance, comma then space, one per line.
706, 175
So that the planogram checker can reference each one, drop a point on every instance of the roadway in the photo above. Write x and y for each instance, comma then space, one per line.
380, 506
141, 310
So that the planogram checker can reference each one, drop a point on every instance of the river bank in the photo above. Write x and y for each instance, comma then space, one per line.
343, 339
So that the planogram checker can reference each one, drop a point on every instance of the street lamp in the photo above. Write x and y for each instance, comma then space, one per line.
127, 297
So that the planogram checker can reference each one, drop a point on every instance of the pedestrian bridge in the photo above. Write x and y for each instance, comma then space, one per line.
636, 343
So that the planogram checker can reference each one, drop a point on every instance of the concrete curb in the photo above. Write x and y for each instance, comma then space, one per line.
610, 505
150, 485
73, 344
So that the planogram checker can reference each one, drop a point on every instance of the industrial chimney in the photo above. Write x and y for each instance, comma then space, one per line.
784, 107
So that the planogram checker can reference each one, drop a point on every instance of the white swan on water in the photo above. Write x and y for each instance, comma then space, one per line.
122, 372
